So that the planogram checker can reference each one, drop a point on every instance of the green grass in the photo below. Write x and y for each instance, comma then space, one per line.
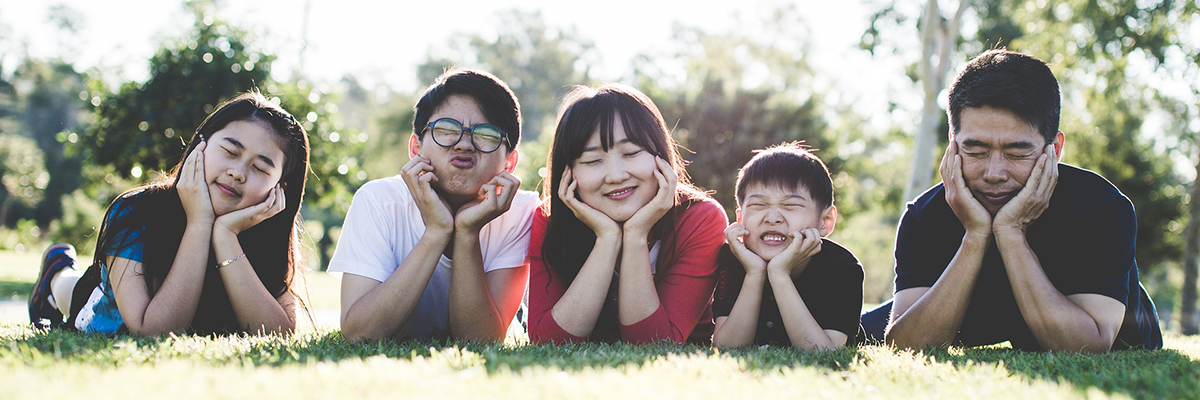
320, 364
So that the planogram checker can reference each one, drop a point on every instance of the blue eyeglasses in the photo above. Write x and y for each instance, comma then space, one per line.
448, 132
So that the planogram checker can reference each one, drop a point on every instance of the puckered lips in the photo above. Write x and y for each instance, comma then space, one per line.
462, 161
227, 190
620, 193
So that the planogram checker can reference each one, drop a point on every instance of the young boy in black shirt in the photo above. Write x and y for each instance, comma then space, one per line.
779, 280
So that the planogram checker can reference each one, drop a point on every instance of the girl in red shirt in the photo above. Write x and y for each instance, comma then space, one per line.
624, 248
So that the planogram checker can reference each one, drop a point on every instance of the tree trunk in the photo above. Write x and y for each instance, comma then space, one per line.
1188, 318
938, 40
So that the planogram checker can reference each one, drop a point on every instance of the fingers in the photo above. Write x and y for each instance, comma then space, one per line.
948, 158
734, 232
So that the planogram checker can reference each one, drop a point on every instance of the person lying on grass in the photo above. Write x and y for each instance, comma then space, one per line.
1013, 245
439, 250
208, 248
780, 282
624, 247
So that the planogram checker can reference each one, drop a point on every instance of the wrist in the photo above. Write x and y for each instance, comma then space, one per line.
1004, 234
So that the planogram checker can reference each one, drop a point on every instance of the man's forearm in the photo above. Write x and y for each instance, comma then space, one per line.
934, 318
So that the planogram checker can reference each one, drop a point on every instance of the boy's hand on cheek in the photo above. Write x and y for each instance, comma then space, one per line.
794, 259
750, 261
419, 177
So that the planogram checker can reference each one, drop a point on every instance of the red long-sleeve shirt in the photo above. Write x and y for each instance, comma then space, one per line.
684, 283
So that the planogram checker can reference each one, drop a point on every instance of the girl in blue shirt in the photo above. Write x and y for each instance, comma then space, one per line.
209, 248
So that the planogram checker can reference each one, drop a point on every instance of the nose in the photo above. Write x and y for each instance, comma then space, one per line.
773, 216
996, 169
464, 143
237, 172
615, 173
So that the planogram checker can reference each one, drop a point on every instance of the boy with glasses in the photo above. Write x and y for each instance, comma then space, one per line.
439, 250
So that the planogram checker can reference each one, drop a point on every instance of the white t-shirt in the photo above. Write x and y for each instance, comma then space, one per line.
384, 224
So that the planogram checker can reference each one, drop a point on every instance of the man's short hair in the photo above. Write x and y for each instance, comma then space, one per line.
498, 102
1011, 81
787, 165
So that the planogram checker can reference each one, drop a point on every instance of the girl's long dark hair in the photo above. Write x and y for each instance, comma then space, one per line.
156, 211
586, 110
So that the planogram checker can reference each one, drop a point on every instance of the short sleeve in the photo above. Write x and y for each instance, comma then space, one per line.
1105, 249
837, 300
921, 240
127, 241
511, 231
365, 247
730, 276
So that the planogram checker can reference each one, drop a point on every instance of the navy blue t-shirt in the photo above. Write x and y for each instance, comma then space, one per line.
1084, 241
831, 287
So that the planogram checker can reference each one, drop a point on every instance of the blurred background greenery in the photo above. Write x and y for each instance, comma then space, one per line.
72, 138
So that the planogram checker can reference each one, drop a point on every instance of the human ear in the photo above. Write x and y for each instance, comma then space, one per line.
737, 215
414, 146
1059, 140
828, 220
510, 161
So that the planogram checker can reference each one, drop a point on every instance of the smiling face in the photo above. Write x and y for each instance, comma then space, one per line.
999, 151
771, 213
461, 169
617, 182
242, 163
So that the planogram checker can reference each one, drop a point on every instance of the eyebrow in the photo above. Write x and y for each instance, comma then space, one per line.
1018, 145
789, 196
597, 148
241, 146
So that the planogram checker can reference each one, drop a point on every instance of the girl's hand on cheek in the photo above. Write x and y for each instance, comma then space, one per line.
598, 221
238, 221
193, 188
645, 218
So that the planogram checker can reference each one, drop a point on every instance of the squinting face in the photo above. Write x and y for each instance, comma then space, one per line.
772, 213
617, 182
999, 151
461, 170
242, 163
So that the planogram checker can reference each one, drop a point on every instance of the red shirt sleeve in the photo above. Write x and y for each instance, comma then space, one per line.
545, 289
685, 284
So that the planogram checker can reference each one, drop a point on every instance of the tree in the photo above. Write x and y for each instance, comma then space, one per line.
22, 175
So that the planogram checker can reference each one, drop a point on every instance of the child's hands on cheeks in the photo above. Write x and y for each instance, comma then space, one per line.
246, 218
795, 257
753, 264
193, 188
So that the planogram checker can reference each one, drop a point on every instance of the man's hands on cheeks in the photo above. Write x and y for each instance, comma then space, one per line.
435, 212
193, 188
795, 257
754, 265
600, 223
975, 218
1033, 199
640, 223
496, 197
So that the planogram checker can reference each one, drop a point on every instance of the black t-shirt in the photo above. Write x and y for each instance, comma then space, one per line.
831, 286
1084, 241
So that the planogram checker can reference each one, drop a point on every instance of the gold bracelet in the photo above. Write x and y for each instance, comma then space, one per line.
226, 263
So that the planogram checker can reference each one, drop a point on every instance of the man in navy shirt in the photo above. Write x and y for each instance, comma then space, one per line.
1012, 245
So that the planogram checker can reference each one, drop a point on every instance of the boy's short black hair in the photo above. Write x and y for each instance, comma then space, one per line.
497, 101
1010, 81
787, 165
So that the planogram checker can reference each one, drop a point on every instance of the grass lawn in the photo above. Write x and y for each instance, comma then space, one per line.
320, 364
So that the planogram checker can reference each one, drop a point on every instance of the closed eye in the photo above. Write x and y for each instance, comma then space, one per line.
589, 162
634, 153
259, 169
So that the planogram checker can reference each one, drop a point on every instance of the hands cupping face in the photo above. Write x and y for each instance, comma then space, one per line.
969, 211
418, 175
734, 236
246, 218
663, 200
192, 186
1034, 198
600, 223
496, 197
794, 259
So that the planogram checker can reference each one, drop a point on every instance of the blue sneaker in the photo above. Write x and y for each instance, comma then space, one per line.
41, 313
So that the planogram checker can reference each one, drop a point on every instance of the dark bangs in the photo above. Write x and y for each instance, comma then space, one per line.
787, 166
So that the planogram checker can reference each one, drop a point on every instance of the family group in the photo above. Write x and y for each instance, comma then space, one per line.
1012, 245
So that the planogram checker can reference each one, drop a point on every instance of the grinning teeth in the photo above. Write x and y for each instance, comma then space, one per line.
618, 193
777, 238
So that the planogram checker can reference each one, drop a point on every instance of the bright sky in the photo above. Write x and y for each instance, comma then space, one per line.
382, 42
